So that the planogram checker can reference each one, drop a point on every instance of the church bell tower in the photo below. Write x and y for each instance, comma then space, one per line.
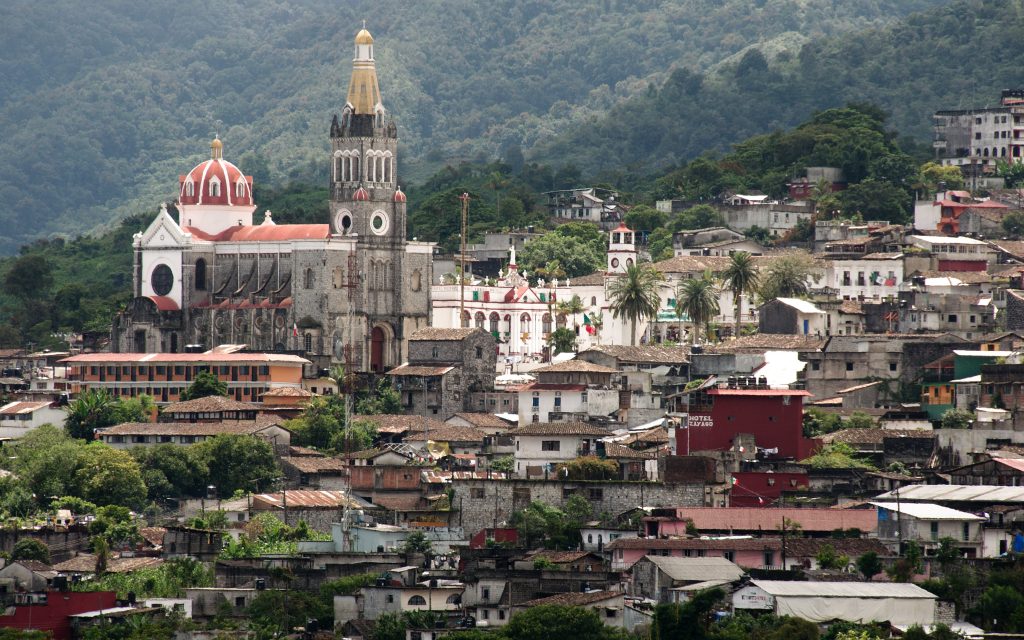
365, 197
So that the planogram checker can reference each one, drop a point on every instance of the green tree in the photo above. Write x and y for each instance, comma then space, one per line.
741, 278
1001, 609
698, 298
319, 422
31, 549
869, 565
237, 463
29, 278
390, 626
555, 255
205, 384
787, 276
876, 200
417, 542
572, 308
552, 622
358, 437
137, 409
1013, 224
860, 420
933, 174
636, 295
827, 558
282, 611
701, 216
1011, 172
47, 460
110, 476
645, 219
563, 340
659, 244
384, 399
956, 419
837, 455
908, 564
93, 409
171, 471
115, 525
504, 464
588, 468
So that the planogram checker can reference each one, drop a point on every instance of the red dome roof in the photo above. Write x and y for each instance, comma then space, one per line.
361, 195
215, 181
399, 196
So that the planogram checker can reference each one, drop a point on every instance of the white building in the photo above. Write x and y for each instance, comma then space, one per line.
541, 446
927, 524
875, 276
18, 418
521, 316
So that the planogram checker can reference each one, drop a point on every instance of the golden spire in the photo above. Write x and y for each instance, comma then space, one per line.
216, 148
363, 90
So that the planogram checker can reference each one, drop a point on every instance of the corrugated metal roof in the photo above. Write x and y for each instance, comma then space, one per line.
927, 511
1013, 463
307, 499
956, 493
15, 408
697, 569
793, 588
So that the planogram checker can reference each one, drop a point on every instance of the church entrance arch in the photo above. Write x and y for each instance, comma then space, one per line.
377, 350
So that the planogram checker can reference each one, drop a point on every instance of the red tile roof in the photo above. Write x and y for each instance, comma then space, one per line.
189, 358
163, 303
265, 233
558, 429
574, 598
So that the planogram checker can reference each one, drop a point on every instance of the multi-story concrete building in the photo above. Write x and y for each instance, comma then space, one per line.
165, 375
975, 139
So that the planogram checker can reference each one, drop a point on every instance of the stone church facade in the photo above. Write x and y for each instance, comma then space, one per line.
351, 290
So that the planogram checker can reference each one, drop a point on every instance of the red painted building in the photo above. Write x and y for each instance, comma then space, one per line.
50, 612
763, 489
774, 417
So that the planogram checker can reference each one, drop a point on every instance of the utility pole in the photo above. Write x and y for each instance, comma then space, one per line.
462, 257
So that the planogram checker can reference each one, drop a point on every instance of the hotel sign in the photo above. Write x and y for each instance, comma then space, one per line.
700, 420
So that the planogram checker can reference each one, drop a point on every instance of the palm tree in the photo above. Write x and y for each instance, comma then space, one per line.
636, 295
597, 321
741, 278
679, 311
698, 298
571, 308
92, 409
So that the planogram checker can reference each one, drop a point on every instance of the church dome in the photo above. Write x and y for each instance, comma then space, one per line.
364, 37
361, 195
399, 195
215, 182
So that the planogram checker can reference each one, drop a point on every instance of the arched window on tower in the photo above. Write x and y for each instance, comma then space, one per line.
479, 319
310, 280
354, 169
546, 328
593, 301
524, 323
339, 277
240, 188
190, 189
200, 275
380, 275
215, 188
494, 319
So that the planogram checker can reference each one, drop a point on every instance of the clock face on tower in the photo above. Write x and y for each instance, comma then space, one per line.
379, 222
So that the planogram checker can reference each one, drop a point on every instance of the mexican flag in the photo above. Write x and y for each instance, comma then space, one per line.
587, 324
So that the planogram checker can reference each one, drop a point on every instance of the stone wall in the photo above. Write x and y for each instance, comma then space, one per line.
480, 504
62, 544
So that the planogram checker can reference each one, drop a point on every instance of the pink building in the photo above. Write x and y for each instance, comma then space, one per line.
749, 553
755, 521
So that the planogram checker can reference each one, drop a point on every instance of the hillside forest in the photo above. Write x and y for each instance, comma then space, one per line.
103, 104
